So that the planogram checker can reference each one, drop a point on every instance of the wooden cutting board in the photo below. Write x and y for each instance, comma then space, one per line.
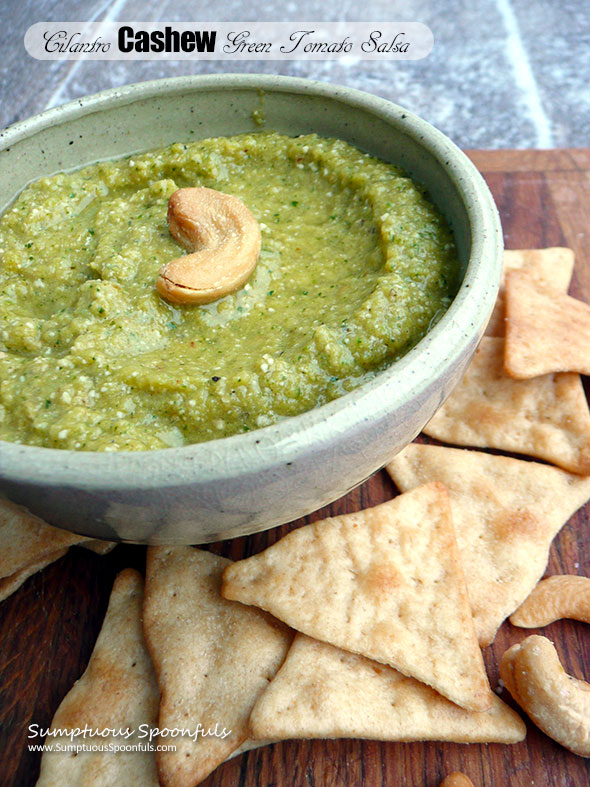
49, 626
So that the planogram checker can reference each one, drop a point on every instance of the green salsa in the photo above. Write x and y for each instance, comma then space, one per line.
356, 265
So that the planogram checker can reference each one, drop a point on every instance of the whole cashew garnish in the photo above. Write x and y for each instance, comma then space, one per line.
456, 779
565, 596
556, 702
224, 238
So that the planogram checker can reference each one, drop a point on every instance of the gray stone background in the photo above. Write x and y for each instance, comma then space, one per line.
502, 74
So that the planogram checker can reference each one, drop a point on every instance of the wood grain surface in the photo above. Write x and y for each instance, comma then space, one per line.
49, 626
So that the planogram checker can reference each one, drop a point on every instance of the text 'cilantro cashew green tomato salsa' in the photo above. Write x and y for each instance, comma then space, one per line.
355, 266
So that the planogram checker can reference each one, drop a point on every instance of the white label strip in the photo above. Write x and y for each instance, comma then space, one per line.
351, 41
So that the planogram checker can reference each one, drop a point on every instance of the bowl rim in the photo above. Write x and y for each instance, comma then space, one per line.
288, 440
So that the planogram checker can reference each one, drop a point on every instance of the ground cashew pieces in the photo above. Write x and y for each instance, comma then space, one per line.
556, 702
224, 239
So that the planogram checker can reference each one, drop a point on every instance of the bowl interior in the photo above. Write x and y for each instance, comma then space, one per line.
119, 122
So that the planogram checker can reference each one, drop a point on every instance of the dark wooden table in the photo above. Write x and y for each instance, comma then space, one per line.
49, 626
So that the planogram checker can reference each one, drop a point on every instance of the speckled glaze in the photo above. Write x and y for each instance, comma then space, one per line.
253, 481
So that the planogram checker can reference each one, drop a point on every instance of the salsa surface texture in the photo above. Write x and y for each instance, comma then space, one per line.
356, 265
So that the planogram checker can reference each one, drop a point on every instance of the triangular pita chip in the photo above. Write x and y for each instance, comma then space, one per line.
8, 585
213, 659
546, 331
248, 745
386, 582
551, 267
324, 692
118, 691
506, 513
546, 417
28, 544
26, 539
100, 547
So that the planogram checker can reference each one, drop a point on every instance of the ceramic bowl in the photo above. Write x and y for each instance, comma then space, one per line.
254, 481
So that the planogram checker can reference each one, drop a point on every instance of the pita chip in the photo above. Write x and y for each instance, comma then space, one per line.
248, 745
506, 513
213, 659
117, 691
546, 331
324, 692
99, 547
546, 417
10, 584
25, 539
28, 544
552, 267
386, 582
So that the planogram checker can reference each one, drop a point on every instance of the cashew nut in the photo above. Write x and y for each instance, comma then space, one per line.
566, 596
557, 703
224, 240
456, 779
